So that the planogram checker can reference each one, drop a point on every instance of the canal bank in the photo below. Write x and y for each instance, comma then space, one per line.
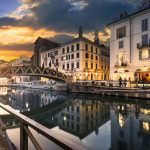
114, 91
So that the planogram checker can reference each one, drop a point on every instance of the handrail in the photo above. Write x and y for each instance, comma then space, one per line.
65, 143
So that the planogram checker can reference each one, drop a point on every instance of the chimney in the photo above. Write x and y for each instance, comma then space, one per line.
96, 38
80, 32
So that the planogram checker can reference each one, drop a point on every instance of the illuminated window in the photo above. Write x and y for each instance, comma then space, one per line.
146, 126
144, 54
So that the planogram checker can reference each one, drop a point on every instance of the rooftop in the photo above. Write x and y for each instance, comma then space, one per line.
129, 15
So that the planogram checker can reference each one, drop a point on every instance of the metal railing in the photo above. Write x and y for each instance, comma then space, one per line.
25, 133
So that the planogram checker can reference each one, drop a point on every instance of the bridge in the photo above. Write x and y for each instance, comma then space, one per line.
33, 71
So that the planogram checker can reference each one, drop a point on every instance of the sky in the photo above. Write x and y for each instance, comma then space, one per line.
23, 21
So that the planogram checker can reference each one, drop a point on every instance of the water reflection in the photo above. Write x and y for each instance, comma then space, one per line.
98, 123
130, 127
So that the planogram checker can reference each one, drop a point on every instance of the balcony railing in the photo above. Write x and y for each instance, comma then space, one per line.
143, 45
124, 64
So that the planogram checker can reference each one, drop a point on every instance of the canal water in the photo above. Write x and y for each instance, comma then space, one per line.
95, 122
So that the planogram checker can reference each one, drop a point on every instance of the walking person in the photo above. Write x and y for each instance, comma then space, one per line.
136, 81
125, 82
129, 80
120, 82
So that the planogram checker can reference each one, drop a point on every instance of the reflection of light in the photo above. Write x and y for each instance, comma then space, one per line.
28, 109
9, 98
145, 111
27, 104
64, 117
13, 91
121, 121
146, 126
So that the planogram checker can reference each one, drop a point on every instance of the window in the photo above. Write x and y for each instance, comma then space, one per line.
145, 24
96, 66
121, 32
72, 56
96, 58
56, 61
68, 49
120, 44
78, 109
78, 46
56, 52
77, 55
86, 47
91, 49
86, 55
77, 64
63, 66
63, 50
67, 66
48, 54
91, 57
96, 50
144, 54
72, 48
86, 64
72, 65
91, 65
145, 39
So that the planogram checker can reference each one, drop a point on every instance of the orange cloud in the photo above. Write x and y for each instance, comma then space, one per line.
9, 54
22, 34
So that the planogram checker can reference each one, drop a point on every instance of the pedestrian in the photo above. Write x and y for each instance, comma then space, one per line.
125, 82
120, 82
129, 80
136, 81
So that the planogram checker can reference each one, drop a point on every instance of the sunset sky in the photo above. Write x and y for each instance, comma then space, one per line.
22, 21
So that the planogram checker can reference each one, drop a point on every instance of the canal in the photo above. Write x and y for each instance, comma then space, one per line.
94, 121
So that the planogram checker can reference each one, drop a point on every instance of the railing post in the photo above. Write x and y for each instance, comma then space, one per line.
23, 137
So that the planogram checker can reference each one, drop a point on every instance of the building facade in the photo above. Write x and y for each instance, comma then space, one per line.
80, 58
130, 44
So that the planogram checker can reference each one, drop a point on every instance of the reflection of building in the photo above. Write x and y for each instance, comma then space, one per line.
3, 81
24, 100
130, 128
3, 91
83, 117
130, 44
47, 98
81, 58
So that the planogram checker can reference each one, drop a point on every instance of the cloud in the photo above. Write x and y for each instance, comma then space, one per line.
66, 15
17, 47
61, 38
56, 14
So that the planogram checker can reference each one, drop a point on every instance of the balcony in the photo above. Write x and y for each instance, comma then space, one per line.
143, 45
123, 65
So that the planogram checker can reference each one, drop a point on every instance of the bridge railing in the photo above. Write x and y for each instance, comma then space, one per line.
25, 133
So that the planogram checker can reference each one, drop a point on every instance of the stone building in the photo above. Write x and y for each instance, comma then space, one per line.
80, 58
130, 44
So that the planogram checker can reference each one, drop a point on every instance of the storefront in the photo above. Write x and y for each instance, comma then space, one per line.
143, 74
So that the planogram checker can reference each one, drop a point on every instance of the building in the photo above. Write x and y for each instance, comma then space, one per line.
40, 45
80, 58
130, 44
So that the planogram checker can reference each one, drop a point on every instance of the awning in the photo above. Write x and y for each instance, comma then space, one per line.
115, 71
